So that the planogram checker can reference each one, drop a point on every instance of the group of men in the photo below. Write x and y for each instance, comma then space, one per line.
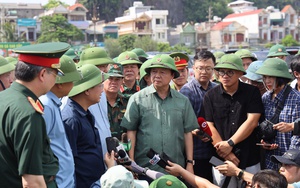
56, 115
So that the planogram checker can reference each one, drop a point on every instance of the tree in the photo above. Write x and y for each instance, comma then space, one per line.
8, 33
57, 28
53, 4
288, 40
164, 47
146, 43
181, 48
112, 47
127, 41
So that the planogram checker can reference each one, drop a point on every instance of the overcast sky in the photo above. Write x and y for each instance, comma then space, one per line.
43, 2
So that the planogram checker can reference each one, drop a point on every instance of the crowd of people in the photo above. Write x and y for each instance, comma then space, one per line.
59, 107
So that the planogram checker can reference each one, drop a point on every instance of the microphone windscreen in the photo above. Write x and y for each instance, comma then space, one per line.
122, 153
204, 126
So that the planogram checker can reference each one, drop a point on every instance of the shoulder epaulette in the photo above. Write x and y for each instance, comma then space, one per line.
36, 105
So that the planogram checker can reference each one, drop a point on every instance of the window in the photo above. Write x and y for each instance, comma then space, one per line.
163, 35
157, 21
265, 20
292, 18
160, 21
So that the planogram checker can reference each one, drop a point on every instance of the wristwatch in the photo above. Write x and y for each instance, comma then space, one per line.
240, 175
191, 161
230, 142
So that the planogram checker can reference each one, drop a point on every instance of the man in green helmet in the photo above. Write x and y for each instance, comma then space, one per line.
6, 69
278, 51
161, 118
232, 110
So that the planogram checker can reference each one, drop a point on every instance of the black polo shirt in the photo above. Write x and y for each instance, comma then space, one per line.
228, 113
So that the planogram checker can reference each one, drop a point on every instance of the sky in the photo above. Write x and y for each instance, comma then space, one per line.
43, 2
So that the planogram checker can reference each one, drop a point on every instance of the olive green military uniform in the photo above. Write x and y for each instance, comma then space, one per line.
22, 153
127, 92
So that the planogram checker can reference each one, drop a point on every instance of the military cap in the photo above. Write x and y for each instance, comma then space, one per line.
71, 74
244, 53
115, 59
142, 69
128, 57
5, 66
218, 55
275, 67
141, 54
91, 76
163, 61
230, 61
12, 60
277, 50
95, 56
43, 54
167, 181
250, 72
115, 70
181, 60
72, 54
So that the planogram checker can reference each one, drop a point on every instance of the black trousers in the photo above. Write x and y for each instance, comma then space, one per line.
203, 169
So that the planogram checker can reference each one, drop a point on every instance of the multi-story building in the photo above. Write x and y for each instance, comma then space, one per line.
142, 21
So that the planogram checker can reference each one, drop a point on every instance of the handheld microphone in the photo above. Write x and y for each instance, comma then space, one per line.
204, 128
123, 158
155, 158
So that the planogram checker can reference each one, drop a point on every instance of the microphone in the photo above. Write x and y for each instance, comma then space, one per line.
155, 158
204, 128
123, 158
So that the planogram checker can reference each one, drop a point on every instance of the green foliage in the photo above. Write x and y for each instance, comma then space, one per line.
288, 40
181, 48
57, 28
269, 45
54, 3
146, 43
9, 35
112, 47
164, 47
127, 42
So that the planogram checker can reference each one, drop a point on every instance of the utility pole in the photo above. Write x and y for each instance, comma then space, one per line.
210, 14
94, 20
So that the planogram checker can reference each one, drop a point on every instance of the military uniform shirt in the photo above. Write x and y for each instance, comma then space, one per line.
24, 144
115, 115
160, 124
128, 92
58, 140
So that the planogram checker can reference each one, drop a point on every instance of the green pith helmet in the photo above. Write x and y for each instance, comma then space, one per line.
95, 56
231, 61
141, 54
127, 58
244, 53
163, 61
167, 181
277, 50
142, 69
68, 66
71, 53
115, 70
5, 66
253, 67
218, 56
91, 76
12, 60
274, 67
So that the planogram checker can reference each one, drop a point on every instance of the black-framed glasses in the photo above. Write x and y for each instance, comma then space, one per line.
207, 69
229, 73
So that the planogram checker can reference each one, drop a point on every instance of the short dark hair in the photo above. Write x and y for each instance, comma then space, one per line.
269, 178
26, 72
282, 81
295, 63
205, 55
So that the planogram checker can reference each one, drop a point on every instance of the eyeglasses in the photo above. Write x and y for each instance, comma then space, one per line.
229, 73
54, 72
207, 69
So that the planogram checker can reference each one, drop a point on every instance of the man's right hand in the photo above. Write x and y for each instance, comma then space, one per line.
231, 157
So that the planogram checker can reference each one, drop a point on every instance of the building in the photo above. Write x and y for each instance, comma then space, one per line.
225, 35
239, 6
142, 21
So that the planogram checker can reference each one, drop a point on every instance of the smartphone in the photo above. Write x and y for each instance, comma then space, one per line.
112, 143
267, 145
215, 161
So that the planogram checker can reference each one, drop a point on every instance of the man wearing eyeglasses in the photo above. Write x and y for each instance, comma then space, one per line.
204, 62
232, 110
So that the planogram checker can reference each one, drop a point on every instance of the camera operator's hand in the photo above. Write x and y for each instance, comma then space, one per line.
110, 159
284, 127
268, 146
231, 157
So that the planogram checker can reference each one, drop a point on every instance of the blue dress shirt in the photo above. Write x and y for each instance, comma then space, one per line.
58, 140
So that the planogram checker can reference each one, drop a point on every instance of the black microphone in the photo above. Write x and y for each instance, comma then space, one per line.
155, 158
123, 157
